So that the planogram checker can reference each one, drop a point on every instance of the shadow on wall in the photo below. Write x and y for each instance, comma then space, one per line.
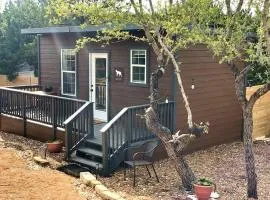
22, 79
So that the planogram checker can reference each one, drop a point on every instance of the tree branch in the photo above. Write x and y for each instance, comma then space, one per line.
257, 94
228, 6
239, 6
151, 6
177, 70
265, 14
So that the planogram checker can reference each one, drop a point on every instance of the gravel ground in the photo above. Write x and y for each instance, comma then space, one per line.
24, 179
224, 164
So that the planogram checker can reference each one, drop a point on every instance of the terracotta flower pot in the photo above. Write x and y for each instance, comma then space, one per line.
55, 146
203, 192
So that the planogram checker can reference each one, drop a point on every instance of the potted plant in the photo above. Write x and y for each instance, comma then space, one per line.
203, 188
48, 89
54, 146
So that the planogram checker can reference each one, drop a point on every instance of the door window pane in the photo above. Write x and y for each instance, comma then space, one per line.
100, 99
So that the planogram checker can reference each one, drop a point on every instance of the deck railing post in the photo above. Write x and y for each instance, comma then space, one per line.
54, 118
24, 114
105, 152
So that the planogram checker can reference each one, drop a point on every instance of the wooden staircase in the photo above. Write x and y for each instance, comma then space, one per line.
89, 154
102, 149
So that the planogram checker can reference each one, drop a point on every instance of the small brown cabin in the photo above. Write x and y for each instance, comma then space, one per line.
117, 75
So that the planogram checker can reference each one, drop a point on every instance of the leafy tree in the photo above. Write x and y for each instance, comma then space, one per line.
233, 43
168, 25
15, 47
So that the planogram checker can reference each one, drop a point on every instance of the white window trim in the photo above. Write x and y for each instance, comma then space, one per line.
71, 72
138, 65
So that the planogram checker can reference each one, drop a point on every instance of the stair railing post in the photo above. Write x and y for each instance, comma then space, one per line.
129, 127
68, 139
91, 120
105, 152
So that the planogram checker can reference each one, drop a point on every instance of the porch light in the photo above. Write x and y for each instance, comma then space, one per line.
192, 85
166, 100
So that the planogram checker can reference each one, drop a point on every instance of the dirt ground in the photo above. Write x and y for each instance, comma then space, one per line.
224, 164
22, 179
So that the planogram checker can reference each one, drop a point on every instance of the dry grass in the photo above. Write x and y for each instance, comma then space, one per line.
223, 164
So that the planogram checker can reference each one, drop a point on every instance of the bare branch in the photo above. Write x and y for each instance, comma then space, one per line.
135, 7
151, 6
228, 6
265, 14
239, 6
177, 70
258, 93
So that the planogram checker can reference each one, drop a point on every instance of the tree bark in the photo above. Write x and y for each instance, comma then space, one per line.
164, 134
249, 155
247, 106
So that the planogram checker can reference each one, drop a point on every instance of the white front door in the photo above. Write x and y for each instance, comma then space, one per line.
98, 84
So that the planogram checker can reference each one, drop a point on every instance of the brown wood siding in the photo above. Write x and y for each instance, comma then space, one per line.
213, 98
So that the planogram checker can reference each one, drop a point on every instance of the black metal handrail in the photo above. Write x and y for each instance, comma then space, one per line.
48, 109
128, 127
79, 126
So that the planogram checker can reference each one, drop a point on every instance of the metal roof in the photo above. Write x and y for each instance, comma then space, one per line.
72, 29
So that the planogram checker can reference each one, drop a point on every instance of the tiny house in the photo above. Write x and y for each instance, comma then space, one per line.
116, 76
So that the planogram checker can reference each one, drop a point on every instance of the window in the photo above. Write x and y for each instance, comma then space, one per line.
138, 66
68, 72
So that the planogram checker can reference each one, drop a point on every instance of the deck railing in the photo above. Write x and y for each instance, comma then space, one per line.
79, 126
30, 88
128, 127
48, 109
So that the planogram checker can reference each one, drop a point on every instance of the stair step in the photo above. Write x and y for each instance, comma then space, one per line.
93, 144
85, 161
89, 151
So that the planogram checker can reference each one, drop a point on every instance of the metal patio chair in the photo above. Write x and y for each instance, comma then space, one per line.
142, 155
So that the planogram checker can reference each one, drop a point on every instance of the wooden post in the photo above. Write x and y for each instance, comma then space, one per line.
105, 152
54, 118
24, 115
91, 120
68, 139
129, 127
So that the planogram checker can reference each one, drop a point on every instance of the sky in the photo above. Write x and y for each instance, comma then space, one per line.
2, 4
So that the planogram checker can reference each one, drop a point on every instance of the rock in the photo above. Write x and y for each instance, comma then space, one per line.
40, 160
87, 177
93, 183
110, 195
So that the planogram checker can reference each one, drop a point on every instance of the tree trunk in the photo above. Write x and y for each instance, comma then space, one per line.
249, 155
164, 134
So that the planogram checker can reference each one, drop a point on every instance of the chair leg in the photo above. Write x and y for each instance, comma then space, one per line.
148, 171
134, 175
155, 172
